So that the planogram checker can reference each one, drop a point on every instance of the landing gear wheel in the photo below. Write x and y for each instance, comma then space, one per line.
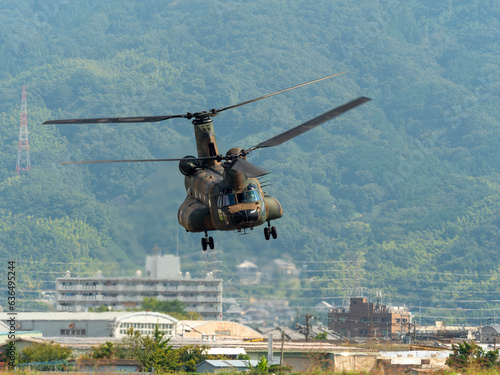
204, 244
274, 233
211, 243
267, 234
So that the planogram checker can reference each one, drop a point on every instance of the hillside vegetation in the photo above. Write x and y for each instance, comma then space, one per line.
401, 194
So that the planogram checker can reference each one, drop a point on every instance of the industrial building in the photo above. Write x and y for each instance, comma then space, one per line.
366, 319
85, 324
163, 280
489, 334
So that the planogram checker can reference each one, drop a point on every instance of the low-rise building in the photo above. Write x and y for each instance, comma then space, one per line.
366, 319
85, 324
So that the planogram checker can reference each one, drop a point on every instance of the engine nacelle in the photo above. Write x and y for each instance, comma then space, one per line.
273, 207
188, 167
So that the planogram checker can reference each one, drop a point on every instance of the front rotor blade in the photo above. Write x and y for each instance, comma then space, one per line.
114, 120
251, 170
276, 93
289, 134
138, 160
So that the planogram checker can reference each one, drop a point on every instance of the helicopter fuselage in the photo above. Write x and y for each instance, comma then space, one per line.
212, 204
220, 198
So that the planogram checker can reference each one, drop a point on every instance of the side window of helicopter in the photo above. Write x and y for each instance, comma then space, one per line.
227, 200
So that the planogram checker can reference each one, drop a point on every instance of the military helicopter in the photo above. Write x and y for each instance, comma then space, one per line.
223, 191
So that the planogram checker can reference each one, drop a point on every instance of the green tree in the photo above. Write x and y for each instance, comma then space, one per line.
101, 308
262, 366
191, 355
45, 352
471, 355
174, 308
105, 350
321, 336
154, 352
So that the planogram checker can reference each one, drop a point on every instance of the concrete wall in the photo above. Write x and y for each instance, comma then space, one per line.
354, 362
93, 328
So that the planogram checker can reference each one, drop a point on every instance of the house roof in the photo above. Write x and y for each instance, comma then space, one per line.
226, 351
290, 334
324, 304
246, 264
495, 327
236, 363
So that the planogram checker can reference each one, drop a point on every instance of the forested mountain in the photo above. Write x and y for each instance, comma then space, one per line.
401, 194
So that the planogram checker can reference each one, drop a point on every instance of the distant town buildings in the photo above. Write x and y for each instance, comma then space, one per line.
366, 319
163, 281
250, 273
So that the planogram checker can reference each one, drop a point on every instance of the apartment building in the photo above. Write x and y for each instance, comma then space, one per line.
203, 296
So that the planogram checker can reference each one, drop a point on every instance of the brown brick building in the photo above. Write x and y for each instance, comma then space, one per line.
366, 319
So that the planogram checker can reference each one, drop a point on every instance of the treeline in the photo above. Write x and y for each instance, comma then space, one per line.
405, 187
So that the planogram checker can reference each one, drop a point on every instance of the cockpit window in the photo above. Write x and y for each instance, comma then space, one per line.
244, 197
228, 200
251, 187
248, 196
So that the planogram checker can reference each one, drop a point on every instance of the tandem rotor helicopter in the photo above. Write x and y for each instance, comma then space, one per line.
223, 191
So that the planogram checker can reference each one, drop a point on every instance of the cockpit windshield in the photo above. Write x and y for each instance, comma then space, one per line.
248, 196
244, 197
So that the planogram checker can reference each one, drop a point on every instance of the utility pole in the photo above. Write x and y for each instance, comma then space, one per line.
23, 151
282, 348
308, 317
480, 333
420, 315
414, 331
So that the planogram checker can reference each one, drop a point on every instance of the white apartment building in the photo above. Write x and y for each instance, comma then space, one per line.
203, 296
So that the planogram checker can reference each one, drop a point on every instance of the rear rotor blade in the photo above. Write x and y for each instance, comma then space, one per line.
251, 170
289, 134
104, 120
139, 160
278, 92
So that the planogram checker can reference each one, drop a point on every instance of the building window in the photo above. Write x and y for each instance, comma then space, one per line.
73, 332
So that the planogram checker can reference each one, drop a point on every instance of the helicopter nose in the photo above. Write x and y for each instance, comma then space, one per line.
246, 216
